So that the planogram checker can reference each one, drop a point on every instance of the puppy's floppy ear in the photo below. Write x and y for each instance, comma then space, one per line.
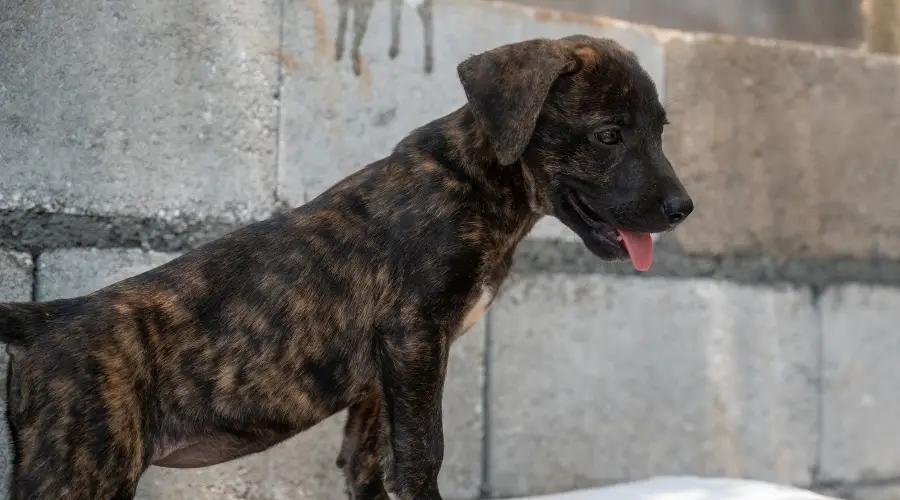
506, 88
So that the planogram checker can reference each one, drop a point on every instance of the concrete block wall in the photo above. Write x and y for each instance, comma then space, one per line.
829, 22
760, 345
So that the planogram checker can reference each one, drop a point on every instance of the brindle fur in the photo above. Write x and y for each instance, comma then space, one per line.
350, 301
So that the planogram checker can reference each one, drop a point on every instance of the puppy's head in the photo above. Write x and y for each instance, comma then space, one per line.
585, 119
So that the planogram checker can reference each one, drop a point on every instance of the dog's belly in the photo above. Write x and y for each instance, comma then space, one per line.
209, 450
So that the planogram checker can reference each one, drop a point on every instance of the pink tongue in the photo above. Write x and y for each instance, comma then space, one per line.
640, 248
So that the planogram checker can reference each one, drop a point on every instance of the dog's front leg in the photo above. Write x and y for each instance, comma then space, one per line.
413, 367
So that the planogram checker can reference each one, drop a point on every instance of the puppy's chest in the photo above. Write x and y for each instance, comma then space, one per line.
484, 295
476, 310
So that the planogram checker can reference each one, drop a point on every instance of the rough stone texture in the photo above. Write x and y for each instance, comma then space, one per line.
543, 255
29, 230
303, 467
596, 379
139, 108
766, 137
16, 271
70, 273
15, 286
352, 121
830, 22
861, 346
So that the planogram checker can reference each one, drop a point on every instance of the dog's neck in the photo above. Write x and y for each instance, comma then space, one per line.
460, 145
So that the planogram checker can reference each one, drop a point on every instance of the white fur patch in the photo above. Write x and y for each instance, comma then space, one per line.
477, 311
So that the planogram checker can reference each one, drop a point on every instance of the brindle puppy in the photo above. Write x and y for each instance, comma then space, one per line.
351, 300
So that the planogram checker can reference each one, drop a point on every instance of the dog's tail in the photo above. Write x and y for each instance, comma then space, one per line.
20, 322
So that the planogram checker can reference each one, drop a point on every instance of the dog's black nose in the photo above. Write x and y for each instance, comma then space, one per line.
677, 207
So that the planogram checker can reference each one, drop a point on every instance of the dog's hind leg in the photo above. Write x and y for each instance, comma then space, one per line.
360, 456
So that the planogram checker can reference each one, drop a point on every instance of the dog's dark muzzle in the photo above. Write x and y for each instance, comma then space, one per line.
596, 228
620, 232
676, 208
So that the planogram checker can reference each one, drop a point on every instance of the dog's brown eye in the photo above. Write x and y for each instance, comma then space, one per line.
610, 136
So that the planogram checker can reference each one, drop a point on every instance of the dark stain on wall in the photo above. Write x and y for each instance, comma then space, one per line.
362, 12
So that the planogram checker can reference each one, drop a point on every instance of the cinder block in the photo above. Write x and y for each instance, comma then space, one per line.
73, 272
599, 379
463, 405
149, 109
777, 143
303, 467
16, 270
861, 346
829, 22
354, 120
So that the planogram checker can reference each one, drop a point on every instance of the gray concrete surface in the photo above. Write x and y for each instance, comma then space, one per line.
15, 276
355, 120
303, 467
767, 139
139, 108
861, 347
68, 273
597, 379
828, 22
536, 256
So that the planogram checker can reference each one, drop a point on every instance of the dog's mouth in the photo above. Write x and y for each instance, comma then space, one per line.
605, 238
